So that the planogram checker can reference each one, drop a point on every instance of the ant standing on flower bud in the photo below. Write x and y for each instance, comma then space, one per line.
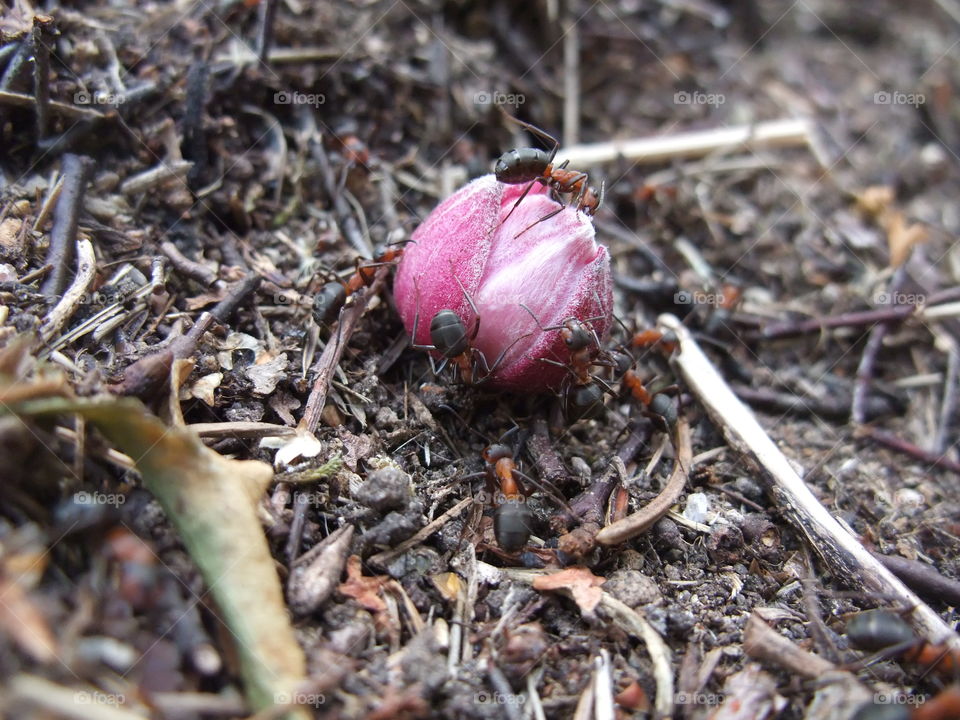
533, 165
449, 336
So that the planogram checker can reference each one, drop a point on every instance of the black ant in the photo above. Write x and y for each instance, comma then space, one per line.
582, 393
886, 633
449, 336
511, 518
533, 165
330, 298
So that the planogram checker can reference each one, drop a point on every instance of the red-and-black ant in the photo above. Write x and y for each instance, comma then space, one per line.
887, 635
581, 392
534, 165
512, 517
330, 298
450, 338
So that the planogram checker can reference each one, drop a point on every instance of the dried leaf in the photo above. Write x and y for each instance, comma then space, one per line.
212, 501
902, 238
581, 584
448, 584
365, 590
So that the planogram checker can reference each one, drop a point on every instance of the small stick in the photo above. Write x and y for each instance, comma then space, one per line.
382, 558
841, 551
861, 386
43, 29
204, 275
908, 448
949, 402
149, 179
77, 171
330, 357
194, 146
345, 217
70, 112
571, 77
548, 461
922, 578
762, 642
655, 150
643, 519
268, 13
63, 310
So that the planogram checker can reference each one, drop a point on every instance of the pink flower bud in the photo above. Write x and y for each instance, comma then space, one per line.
555, 268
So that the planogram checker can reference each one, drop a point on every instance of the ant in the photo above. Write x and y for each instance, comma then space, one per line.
533, 165
887, 633
657, 404
582, 393
332, 296
449, 336
512, 517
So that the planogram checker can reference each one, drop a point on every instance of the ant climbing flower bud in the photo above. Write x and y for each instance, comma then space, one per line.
525, 273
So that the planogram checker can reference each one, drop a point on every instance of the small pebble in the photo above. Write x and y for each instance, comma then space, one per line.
632, 588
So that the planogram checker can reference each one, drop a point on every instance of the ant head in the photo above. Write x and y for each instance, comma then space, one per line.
577, 335
495, 452
511, 525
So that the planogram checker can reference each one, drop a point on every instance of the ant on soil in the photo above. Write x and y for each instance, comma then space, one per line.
534, 165
330, 299
512, 517
886, 633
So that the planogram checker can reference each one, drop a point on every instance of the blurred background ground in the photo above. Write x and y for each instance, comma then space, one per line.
366, 116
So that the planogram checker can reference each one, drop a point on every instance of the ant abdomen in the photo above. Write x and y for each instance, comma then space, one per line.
511, 524
522, 165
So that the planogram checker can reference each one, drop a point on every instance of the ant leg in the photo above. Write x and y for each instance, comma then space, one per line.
489, 370
545, 217
522, 196
476, 325
603, 186
416, 324
542, 134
